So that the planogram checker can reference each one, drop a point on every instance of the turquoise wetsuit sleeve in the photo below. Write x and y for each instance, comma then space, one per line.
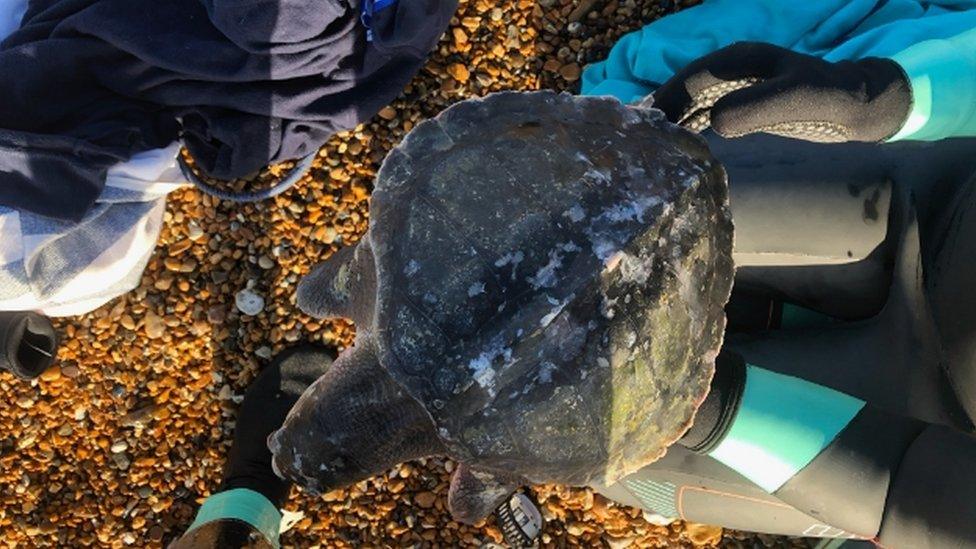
244, 505
643, 60
782, 423
942, 74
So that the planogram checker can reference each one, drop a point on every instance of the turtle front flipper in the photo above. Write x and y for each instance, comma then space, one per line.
352, 423
344, 285
475, 493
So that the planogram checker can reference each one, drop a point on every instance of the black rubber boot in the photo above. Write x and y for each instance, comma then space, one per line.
28, 343
266, 403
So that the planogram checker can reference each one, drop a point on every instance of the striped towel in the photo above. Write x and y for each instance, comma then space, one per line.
60, 268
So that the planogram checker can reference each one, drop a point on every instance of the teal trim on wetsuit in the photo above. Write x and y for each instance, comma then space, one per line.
794, 316
933, 40
943, 78
244, 505
782, 423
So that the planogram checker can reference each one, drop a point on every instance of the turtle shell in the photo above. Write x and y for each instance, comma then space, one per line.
551, 276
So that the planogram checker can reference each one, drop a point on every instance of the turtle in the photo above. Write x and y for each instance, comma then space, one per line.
539, 296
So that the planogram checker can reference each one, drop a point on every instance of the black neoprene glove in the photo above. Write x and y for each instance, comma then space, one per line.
752, 87
266, 403
28, 343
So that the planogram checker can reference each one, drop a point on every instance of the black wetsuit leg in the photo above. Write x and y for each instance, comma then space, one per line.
949, 264
883, 477
930, 502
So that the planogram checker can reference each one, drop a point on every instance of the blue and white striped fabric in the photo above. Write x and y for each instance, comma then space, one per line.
59, 268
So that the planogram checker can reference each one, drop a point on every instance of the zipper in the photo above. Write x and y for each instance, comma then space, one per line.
369, 9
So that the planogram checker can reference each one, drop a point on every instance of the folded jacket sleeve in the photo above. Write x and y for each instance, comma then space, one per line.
643, 60
942, 74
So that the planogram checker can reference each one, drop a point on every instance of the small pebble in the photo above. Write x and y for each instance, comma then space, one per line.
154, 326
459, 72
570, 72
194, 232
121, 461
249, 302
425, 499
216, 315
51, 374
575, 529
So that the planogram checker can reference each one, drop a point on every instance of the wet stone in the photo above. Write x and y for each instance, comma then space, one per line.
121, 461
216, 315
154, 325
249, 302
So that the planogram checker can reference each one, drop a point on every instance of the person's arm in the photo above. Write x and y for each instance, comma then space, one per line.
942, 75
643, 60
926, 91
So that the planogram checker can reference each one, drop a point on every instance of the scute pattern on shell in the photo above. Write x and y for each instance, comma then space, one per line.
551, 277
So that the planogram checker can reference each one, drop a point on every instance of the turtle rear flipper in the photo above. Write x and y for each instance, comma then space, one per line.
341, 286
475, 493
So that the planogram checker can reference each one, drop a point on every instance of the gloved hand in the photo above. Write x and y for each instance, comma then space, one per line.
265, 405
28, 343
752, 87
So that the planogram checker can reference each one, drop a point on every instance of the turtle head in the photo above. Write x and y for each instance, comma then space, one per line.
352, 423
356, 422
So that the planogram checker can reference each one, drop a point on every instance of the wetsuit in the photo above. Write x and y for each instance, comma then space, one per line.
846, 392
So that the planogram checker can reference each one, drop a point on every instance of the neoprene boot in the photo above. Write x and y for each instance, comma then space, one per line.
266, 403
243, 512
28, 343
